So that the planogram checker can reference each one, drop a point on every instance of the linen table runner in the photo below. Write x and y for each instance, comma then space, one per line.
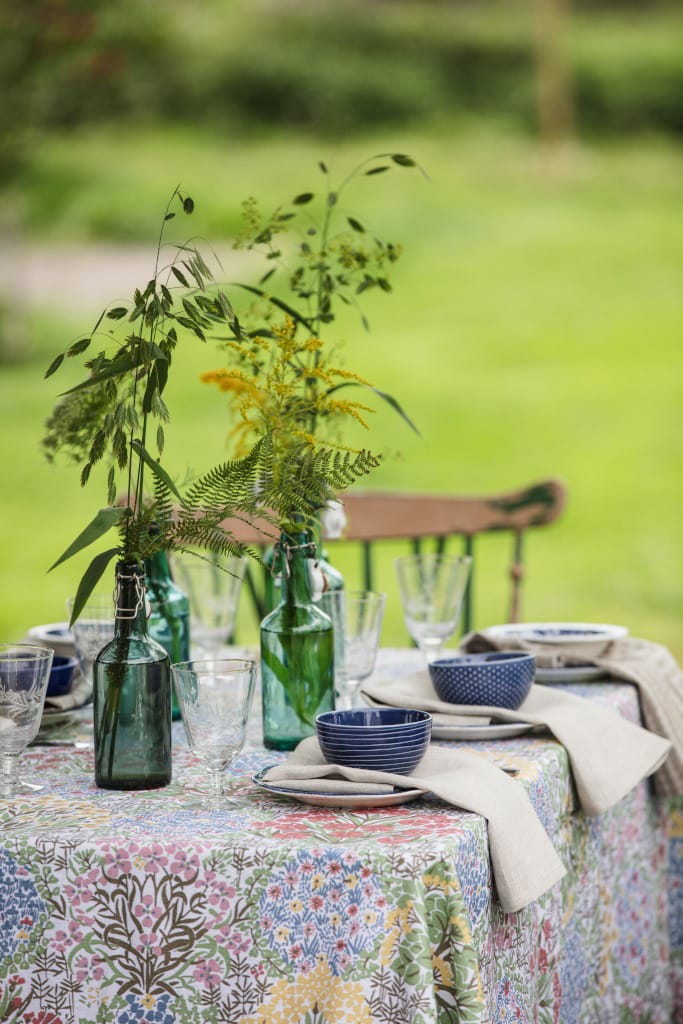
650, 666
608, 755
523, 860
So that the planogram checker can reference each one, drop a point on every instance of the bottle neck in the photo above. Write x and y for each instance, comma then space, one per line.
293, 554
157, 568
130, 599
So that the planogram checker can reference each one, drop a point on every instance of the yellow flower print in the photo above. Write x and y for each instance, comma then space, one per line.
296, 906
350, 881
148, 1001
317, 881
281, 934
335, 920
336, 1000
369, 917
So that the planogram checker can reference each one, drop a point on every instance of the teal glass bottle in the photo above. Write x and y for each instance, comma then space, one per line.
320, 562
297, 652
169, 619
132, 695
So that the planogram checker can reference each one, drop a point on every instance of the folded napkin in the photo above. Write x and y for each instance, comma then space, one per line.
79, 694
650, 666
523, 860
608, 755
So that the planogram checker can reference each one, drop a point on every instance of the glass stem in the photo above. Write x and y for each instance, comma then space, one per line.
431, 649
9, 770
215, 785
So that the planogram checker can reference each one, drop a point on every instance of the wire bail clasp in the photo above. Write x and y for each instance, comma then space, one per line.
128, 613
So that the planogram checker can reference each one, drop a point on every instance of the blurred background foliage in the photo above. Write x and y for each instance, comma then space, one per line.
536, 324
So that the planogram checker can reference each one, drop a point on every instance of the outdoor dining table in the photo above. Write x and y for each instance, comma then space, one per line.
134, 908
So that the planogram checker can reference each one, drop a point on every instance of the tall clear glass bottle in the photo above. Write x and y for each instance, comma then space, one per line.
169, 620
297, 652
132, 695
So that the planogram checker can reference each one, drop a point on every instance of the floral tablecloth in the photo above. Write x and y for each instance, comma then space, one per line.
135, 909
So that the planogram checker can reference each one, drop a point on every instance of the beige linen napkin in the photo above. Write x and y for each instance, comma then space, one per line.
523, 860
79, 694
608, 755
650, 666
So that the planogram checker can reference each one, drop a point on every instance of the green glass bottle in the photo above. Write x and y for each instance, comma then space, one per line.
273, 585
169, 619
297, 652
132, 695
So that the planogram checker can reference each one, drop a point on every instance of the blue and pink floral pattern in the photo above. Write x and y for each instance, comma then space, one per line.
132, 908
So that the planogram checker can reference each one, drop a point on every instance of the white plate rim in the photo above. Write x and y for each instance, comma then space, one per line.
498, 731
569, 674
337, 800
594, 632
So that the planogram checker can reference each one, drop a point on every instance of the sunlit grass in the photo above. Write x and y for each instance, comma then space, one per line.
534, 331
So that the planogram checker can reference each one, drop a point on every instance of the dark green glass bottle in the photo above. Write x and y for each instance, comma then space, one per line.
132, 695
297, 652
169, 620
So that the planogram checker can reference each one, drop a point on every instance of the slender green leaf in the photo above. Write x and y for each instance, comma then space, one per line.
101, 524
118, 367
156, 467
378, 170
117, 313
180, 276
403, 160
389, 399
78, 347
54, 365
89, 581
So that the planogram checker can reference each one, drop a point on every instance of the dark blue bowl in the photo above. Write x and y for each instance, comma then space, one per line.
61, 675
499, 679
383, 739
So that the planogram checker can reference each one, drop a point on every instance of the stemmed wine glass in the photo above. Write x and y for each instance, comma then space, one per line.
432, 588
24, 675
357, 619
215, 700
93, 628
212, 584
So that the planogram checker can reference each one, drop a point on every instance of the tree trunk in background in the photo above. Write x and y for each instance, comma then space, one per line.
555, 100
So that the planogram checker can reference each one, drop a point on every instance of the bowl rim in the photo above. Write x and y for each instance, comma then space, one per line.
424, 718
465, 661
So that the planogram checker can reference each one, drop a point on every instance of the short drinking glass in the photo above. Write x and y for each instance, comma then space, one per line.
24, 674
357, 619
432, 588
215, 700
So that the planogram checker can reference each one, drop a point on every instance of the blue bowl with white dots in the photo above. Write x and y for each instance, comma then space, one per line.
500, 679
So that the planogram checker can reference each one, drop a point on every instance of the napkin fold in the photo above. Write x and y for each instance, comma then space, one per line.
523, 859
608, 755
650, 666
79, 694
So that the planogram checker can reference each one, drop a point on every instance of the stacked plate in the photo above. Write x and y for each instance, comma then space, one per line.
379, 739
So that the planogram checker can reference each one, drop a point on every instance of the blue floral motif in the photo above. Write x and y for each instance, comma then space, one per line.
147, 1009
675, 892
507, 1006
322, 902
574, 975
20, 905
473, 873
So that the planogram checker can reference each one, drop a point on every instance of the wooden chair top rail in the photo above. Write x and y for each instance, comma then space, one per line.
377, 515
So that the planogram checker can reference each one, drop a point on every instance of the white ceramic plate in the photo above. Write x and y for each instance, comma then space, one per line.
499, 731
347, 800
559, 632
569, 674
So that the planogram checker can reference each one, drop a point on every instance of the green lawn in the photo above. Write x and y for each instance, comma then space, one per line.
535, 330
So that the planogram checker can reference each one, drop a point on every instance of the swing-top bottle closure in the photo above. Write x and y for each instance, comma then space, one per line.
121, 578
284, 553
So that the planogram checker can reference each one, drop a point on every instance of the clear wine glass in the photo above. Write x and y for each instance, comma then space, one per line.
24, 674
212, 584
215, 699
93, 628
432, 588
357, 619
